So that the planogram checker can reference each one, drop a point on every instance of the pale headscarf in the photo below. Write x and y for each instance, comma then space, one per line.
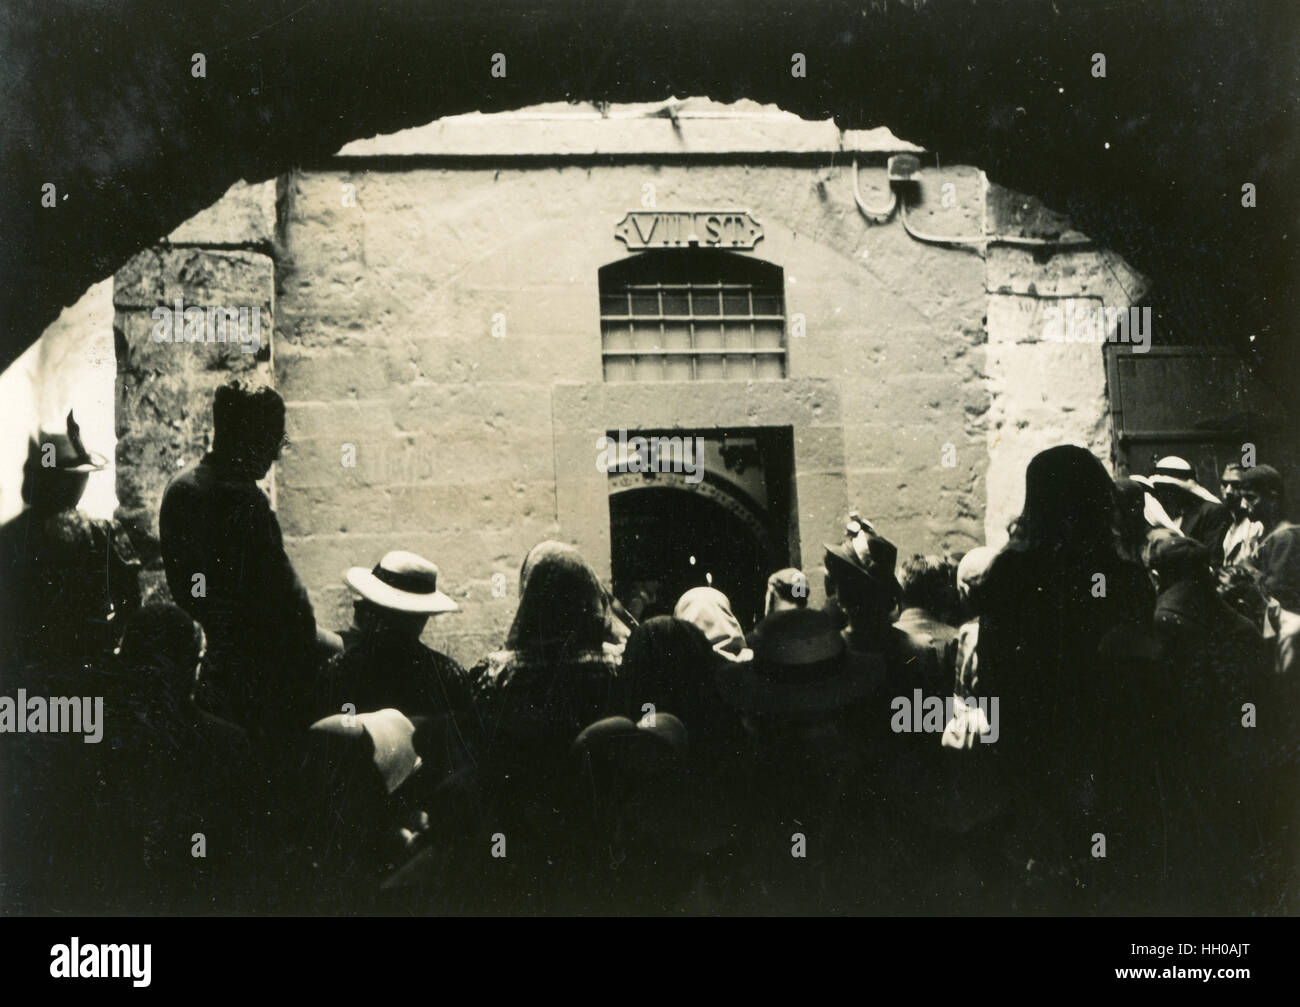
972, 568
709, 609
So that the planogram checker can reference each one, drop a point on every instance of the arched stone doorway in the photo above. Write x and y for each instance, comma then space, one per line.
669, 532
670, 539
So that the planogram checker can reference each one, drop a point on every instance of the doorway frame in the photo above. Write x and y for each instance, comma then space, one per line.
582, 413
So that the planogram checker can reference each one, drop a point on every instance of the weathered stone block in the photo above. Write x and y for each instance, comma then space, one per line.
196, 276
245, 215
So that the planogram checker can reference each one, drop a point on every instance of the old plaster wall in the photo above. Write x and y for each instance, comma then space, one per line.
470, 448
917, 393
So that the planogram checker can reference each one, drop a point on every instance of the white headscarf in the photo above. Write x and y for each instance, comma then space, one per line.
709, 610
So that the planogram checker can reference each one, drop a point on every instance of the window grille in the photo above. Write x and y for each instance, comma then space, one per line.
692, 315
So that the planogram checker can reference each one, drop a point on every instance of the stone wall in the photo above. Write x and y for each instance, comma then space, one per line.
384, 342
220, 258
917, 394
1043, 392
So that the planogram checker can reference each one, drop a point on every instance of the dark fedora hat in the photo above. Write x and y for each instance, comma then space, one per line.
801, 668
864, 554
69, 453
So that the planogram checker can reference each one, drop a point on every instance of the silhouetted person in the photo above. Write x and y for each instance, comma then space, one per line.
1051, 599
860, 577
810, 771
386, 666
68, 581
226, 565
709, 610
971, 574
171, 772
557, 673
1195, 510
929, 594
1217, 654
1244, 533
342, 809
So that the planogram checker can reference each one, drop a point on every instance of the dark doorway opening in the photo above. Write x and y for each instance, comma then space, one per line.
728, 530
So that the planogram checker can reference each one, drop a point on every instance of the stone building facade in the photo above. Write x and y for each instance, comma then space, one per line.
460, 312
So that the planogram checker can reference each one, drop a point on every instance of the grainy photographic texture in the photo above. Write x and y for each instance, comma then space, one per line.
671, 458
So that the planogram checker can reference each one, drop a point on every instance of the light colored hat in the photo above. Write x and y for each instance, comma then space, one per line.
392, 735
973, 568
403, 582
1174, 471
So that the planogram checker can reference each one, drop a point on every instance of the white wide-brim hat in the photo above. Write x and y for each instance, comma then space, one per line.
403, 582
1175, 471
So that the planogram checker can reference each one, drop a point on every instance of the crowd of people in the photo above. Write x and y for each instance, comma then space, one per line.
1114, 684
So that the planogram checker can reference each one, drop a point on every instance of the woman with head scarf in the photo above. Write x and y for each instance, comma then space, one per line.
1062, 611
710, 610
557, 673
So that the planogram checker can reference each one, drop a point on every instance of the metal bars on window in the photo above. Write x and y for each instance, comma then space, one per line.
693, 329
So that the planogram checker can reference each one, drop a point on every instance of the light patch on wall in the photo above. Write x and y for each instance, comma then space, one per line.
72, 366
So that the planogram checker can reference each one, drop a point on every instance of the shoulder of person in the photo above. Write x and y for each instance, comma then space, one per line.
447, 664
492, 670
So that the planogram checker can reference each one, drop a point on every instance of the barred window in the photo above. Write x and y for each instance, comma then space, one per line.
692, 315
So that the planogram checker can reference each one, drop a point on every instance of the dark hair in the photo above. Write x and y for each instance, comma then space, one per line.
929, 582
1181, 559
1263, 479
247, 422
1069, 503
667, 661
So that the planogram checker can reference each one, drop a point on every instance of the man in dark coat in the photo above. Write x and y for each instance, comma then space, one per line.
1211, 646
860, 576
386, 666
68, 581
226, 566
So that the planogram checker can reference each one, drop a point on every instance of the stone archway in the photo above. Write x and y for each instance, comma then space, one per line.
670, 536
135, 139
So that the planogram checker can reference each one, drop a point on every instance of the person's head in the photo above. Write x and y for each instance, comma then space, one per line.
563, 607
1230, 488
709, 610
666, 662
929, 583
57, 469
1174, 485
1262, 494
860, 576
799, 685
248, 426
1178, 560
867, 605
397, 596
1174, 499
786, 589
52, 489
1069, 503
160, 650
375, 619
